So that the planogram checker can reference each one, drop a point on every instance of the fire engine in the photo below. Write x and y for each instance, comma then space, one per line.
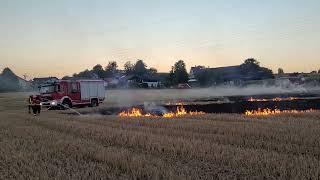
68, 93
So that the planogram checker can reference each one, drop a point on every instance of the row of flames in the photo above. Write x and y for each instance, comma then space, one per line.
251, 99
136, 112
266, 112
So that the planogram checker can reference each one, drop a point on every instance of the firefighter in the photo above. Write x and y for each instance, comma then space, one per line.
30, 100
36, 107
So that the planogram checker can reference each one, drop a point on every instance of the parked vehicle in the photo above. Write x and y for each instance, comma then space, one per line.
67, 93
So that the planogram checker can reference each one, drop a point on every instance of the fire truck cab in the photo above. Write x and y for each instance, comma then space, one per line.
68, 93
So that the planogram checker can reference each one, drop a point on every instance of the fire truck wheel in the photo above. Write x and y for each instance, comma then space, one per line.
67, 104
94, 103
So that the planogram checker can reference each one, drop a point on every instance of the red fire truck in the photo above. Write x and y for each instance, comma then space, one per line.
68, 93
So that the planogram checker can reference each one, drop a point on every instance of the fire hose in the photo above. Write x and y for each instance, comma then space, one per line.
58, 104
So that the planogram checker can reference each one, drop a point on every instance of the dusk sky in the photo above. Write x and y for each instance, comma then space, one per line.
61, 37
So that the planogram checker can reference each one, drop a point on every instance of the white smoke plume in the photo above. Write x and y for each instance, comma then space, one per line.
133, 97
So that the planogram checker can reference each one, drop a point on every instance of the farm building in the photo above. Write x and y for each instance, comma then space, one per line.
231, 74
140, 81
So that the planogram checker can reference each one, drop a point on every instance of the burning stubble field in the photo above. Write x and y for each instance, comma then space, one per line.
210, 146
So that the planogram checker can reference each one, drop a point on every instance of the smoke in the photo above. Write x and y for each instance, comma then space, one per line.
162, 96
154, 109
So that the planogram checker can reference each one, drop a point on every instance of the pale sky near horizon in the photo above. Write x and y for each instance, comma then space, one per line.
61, 37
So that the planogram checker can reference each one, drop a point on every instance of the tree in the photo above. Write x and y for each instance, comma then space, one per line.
140, 68
153, 71
280, 71
86, 74
319, 71
180, 73
98, 70
66, 78
2, 82
128, 67
265, 73
250, 65
169, 81
111, 69
9, 81
252, 61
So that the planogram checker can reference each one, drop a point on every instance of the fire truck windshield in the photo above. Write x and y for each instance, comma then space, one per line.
47, 89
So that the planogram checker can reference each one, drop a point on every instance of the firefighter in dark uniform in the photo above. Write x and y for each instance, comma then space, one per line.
36, 106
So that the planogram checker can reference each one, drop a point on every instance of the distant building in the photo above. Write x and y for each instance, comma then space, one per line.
140, 81
232, 74
150, 83
195, 71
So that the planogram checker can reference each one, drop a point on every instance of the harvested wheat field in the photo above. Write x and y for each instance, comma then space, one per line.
227, 146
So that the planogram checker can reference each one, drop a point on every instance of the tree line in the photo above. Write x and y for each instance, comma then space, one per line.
178, 73
137, 68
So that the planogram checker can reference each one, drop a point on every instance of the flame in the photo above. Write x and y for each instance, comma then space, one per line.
169, 115
181, 111
251, 99
134, 112
266, 112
